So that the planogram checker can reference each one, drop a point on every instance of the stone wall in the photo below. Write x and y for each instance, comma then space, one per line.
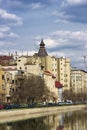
20, 114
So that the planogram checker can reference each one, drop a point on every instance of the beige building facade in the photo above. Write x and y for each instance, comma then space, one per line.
78, 81
2, 85
64, 72
50, 83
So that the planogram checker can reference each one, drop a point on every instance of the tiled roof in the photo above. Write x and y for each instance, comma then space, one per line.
58, 84
10, 69
4, 60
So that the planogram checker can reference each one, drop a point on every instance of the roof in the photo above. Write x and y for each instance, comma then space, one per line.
49, 73
42, 51
58, 84
4, 59
10, 69
30, 63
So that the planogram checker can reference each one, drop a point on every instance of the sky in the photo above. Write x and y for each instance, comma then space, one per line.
62, 24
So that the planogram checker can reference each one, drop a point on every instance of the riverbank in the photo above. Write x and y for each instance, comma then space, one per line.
22, 114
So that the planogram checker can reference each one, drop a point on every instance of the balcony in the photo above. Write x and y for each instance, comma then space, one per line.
21, 76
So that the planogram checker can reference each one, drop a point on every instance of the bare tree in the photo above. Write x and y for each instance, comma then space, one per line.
74, 96
69, 95
31, 89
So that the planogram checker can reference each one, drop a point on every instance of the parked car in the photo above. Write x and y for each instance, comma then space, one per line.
61, 103
69, 103
11, 106
7, 106
23, 105
1, 106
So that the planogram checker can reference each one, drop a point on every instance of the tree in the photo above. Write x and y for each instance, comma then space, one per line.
69, 95
32, 88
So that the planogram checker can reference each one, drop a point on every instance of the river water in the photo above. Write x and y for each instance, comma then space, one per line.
75, 120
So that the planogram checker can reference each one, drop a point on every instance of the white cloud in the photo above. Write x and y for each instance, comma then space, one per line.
2, 43
57, 54
4, 29
35, 5
73, 2
64, 38
9, 16
1, 35
50, 43
76, 1
13, 35
62, 17
5, 33
79, 35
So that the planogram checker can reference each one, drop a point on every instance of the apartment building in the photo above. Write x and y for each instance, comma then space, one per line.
59, 67
10, 80
64, 72
78, 81
2, 85
21, 61
50, 83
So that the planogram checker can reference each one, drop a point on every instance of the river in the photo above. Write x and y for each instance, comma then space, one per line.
73, 120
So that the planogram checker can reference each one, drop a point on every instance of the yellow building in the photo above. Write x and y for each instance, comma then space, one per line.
50, 83
64, 72
59, 67
78, 81
2, 85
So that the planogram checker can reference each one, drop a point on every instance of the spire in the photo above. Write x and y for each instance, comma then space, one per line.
42, 51
42, 43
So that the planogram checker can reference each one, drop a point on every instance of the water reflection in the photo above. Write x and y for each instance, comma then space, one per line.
62, 121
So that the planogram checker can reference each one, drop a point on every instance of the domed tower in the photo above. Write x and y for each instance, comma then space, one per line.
42, 51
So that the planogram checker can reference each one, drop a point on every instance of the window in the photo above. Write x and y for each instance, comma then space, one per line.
65, 80
3, 87
12, 81
7, 79
3, 77
15, 81
25, 68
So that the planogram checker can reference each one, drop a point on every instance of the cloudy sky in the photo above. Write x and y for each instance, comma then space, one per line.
61, 23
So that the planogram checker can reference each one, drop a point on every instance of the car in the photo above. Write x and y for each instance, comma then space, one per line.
23, 105
12, 106
69, 103
60, 103
7, 106
1, 106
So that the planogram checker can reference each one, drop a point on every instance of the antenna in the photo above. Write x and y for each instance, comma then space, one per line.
22, 52
85, 60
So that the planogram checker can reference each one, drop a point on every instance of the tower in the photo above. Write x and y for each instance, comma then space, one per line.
42, 51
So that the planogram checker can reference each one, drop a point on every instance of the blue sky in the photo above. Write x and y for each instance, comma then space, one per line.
61, 23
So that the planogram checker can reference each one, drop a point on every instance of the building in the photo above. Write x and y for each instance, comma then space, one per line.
64, 72
2, 85
59, 67
10, 81
4, 59
50, 83
21, 61
42, 50
78, 81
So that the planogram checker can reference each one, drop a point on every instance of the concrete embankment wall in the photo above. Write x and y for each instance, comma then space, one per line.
20, 114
